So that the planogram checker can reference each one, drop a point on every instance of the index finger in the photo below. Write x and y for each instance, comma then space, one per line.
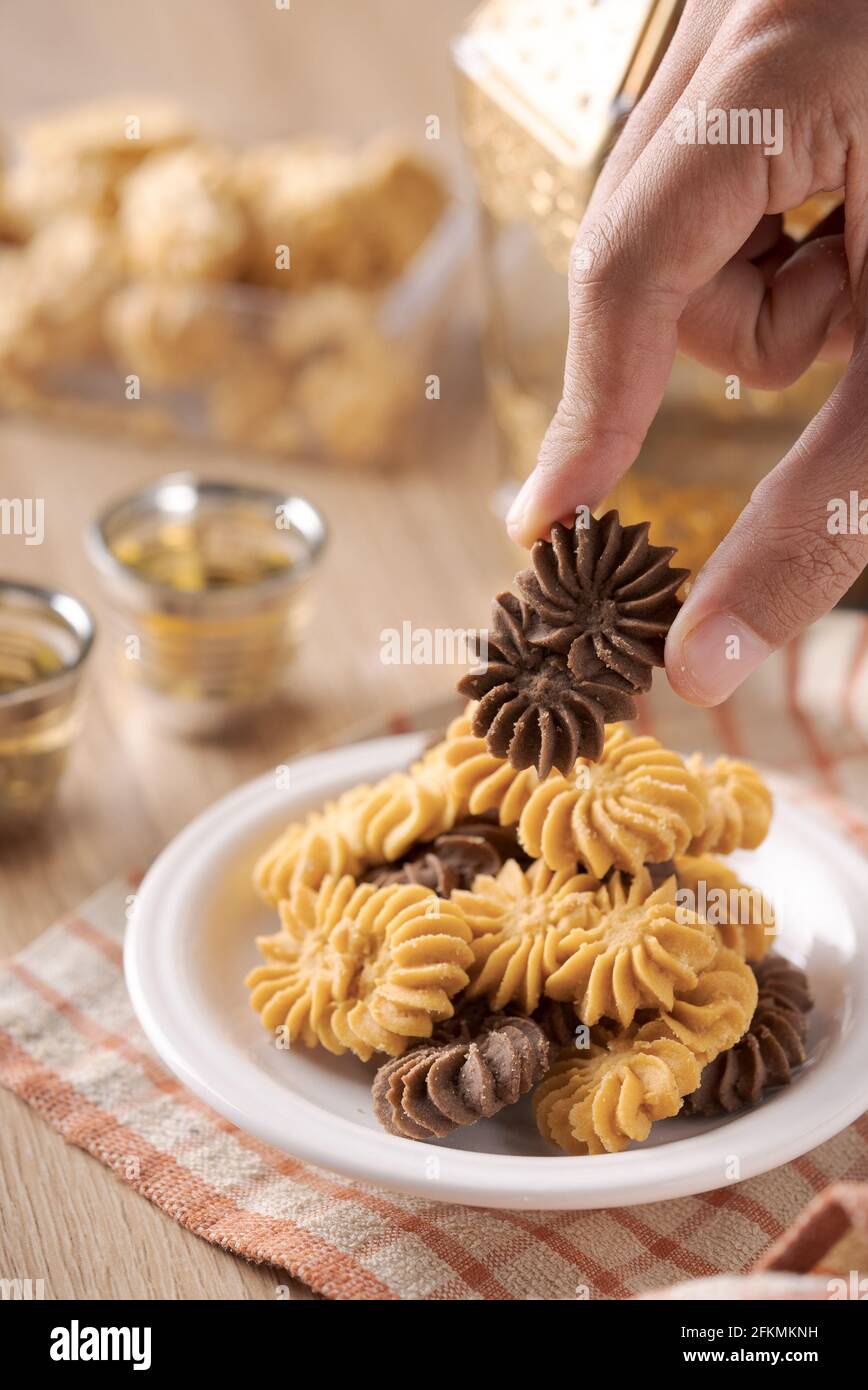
673, 222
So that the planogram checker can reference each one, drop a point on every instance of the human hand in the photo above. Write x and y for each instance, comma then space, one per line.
682, 245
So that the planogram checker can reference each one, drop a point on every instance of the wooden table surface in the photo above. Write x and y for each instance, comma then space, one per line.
419, 543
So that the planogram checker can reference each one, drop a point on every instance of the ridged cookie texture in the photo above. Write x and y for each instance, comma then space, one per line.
716, 1013
770, 1051
742, 918
518, 920
433, 1090
637, 952
361, 968
368, 825
639, 804
533, 709
569, 653
608, 1097
738, 806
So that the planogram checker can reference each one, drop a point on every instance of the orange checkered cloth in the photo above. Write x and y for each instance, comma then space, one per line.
71, 1047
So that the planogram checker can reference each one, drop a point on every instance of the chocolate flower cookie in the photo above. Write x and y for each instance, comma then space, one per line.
434, 1089
532, 708
602, 595
569, 653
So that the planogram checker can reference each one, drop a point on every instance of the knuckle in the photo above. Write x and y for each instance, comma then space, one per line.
595, 251
609, 261
764, 369
577, 429
758, 26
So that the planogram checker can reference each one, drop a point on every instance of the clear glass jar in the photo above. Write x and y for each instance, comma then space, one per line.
45, 640
210, 590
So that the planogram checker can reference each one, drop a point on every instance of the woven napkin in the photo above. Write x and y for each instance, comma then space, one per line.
71, 1047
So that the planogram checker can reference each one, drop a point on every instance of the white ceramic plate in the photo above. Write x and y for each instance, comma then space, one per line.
191, 942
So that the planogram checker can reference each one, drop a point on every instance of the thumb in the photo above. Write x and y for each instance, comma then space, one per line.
795, 550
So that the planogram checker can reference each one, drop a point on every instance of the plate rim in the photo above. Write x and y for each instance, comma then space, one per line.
685, 1167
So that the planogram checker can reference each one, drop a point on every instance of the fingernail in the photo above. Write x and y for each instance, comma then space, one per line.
717, 655
515, 515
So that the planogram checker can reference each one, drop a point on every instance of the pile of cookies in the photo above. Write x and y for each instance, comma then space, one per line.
541, 902
251, 276
447, 918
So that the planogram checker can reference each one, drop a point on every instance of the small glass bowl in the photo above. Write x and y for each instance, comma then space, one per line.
45, 640
209, 585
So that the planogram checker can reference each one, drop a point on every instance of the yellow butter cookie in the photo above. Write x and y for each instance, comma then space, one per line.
742, 918
53, 291
348, 216
365, 826
602, 1100
739, 806
354, 402
362, 968
180, 217
717, 1013
398, 811
170, 334
639, 951
639, 804
250, 402
75, 160
518, 920
308, 850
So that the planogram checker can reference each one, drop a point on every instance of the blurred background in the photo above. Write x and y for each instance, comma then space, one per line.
246, 70
282, 319
307, 262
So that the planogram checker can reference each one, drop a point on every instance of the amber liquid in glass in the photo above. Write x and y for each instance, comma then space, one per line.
33, 746
208, 652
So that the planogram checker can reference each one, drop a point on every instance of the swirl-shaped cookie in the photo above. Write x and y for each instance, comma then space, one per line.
604, 1099
361, 968
367, 825
433, 1089
639, 953
602, 596
517, 921
398, 811
743, 919
535, 708
717, 1013
639, 804
301, 857
739, 806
